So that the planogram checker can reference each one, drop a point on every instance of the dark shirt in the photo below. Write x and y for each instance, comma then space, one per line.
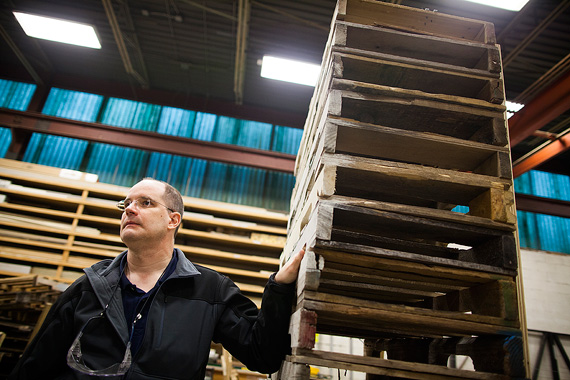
137, 301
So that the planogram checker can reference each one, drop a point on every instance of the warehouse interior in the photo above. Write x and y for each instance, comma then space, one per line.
204, 57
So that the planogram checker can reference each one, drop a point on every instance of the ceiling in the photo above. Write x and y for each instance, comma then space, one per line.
184, 52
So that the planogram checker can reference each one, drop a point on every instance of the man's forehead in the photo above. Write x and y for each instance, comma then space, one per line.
146, 188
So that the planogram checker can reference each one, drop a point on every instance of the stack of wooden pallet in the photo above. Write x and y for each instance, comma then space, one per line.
407, 122
24, 303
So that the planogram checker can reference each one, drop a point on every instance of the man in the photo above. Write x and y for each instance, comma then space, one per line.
152, 314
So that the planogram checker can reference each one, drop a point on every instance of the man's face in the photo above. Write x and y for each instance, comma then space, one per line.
144, 218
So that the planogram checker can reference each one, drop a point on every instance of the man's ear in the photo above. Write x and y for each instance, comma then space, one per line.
175, 220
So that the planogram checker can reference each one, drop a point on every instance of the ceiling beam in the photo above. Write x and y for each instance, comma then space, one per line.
166, 98
149, 141
562, 6
541, 110
124, 53
21, 57
560, 144
325, 28
244, 12
540, 205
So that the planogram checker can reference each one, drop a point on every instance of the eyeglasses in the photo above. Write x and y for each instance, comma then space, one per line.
142, 202
75, 355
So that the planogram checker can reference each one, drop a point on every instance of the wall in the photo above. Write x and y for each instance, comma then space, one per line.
546, 282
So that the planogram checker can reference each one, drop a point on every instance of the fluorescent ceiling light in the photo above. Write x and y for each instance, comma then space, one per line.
53, 29
512, 107
290, 71
510, 5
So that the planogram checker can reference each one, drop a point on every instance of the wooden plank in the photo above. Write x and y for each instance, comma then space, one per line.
445, 53
403, 110
19, 171
303, 327
369, 140
383, 181
386, 367
487, 246
495, 298
292, 371
340, 310
348, 272
392, 267
494, 354
421, 21
491, 297
389, 94
420, 78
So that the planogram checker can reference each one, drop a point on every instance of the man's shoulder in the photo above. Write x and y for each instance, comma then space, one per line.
209, 273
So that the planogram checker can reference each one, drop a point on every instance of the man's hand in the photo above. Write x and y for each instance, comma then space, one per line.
289, 272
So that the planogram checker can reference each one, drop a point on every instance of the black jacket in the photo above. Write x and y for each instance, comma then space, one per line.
193, 307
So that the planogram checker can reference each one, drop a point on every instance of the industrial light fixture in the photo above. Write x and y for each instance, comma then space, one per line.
289, 70
54, 29
510, 5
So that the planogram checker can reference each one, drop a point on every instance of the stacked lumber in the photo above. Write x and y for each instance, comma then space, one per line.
407, 122
55, 225
24, 303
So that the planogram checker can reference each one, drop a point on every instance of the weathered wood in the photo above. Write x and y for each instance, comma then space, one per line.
372, 12
496, 354
495, 298
382, 262
495, 204
376, 141
406, 122
393, 368
303, 328
379, 317
382, 180
292, 371
416, 112
420, 50
411, 77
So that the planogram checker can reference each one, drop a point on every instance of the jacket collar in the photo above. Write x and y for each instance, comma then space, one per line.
105, 268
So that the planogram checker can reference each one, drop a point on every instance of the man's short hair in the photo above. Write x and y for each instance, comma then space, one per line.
172, 198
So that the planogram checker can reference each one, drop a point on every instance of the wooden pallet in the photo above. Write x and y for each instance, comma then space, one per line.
406, 122
24, 303
371, 12
296, 367
423, 50
425, 190
392, 229
408, 110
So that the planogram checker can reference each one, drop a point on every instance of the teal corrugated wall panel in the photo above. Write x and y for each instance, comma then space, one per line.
204, 126
120, 165
539, 231
226, 130
176, 122
72, 105
115, 164
194, 177
179, 169
278, 190
131, 114
15, 96
287, 140
214, 181
254, 135
5, 141
63, 152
